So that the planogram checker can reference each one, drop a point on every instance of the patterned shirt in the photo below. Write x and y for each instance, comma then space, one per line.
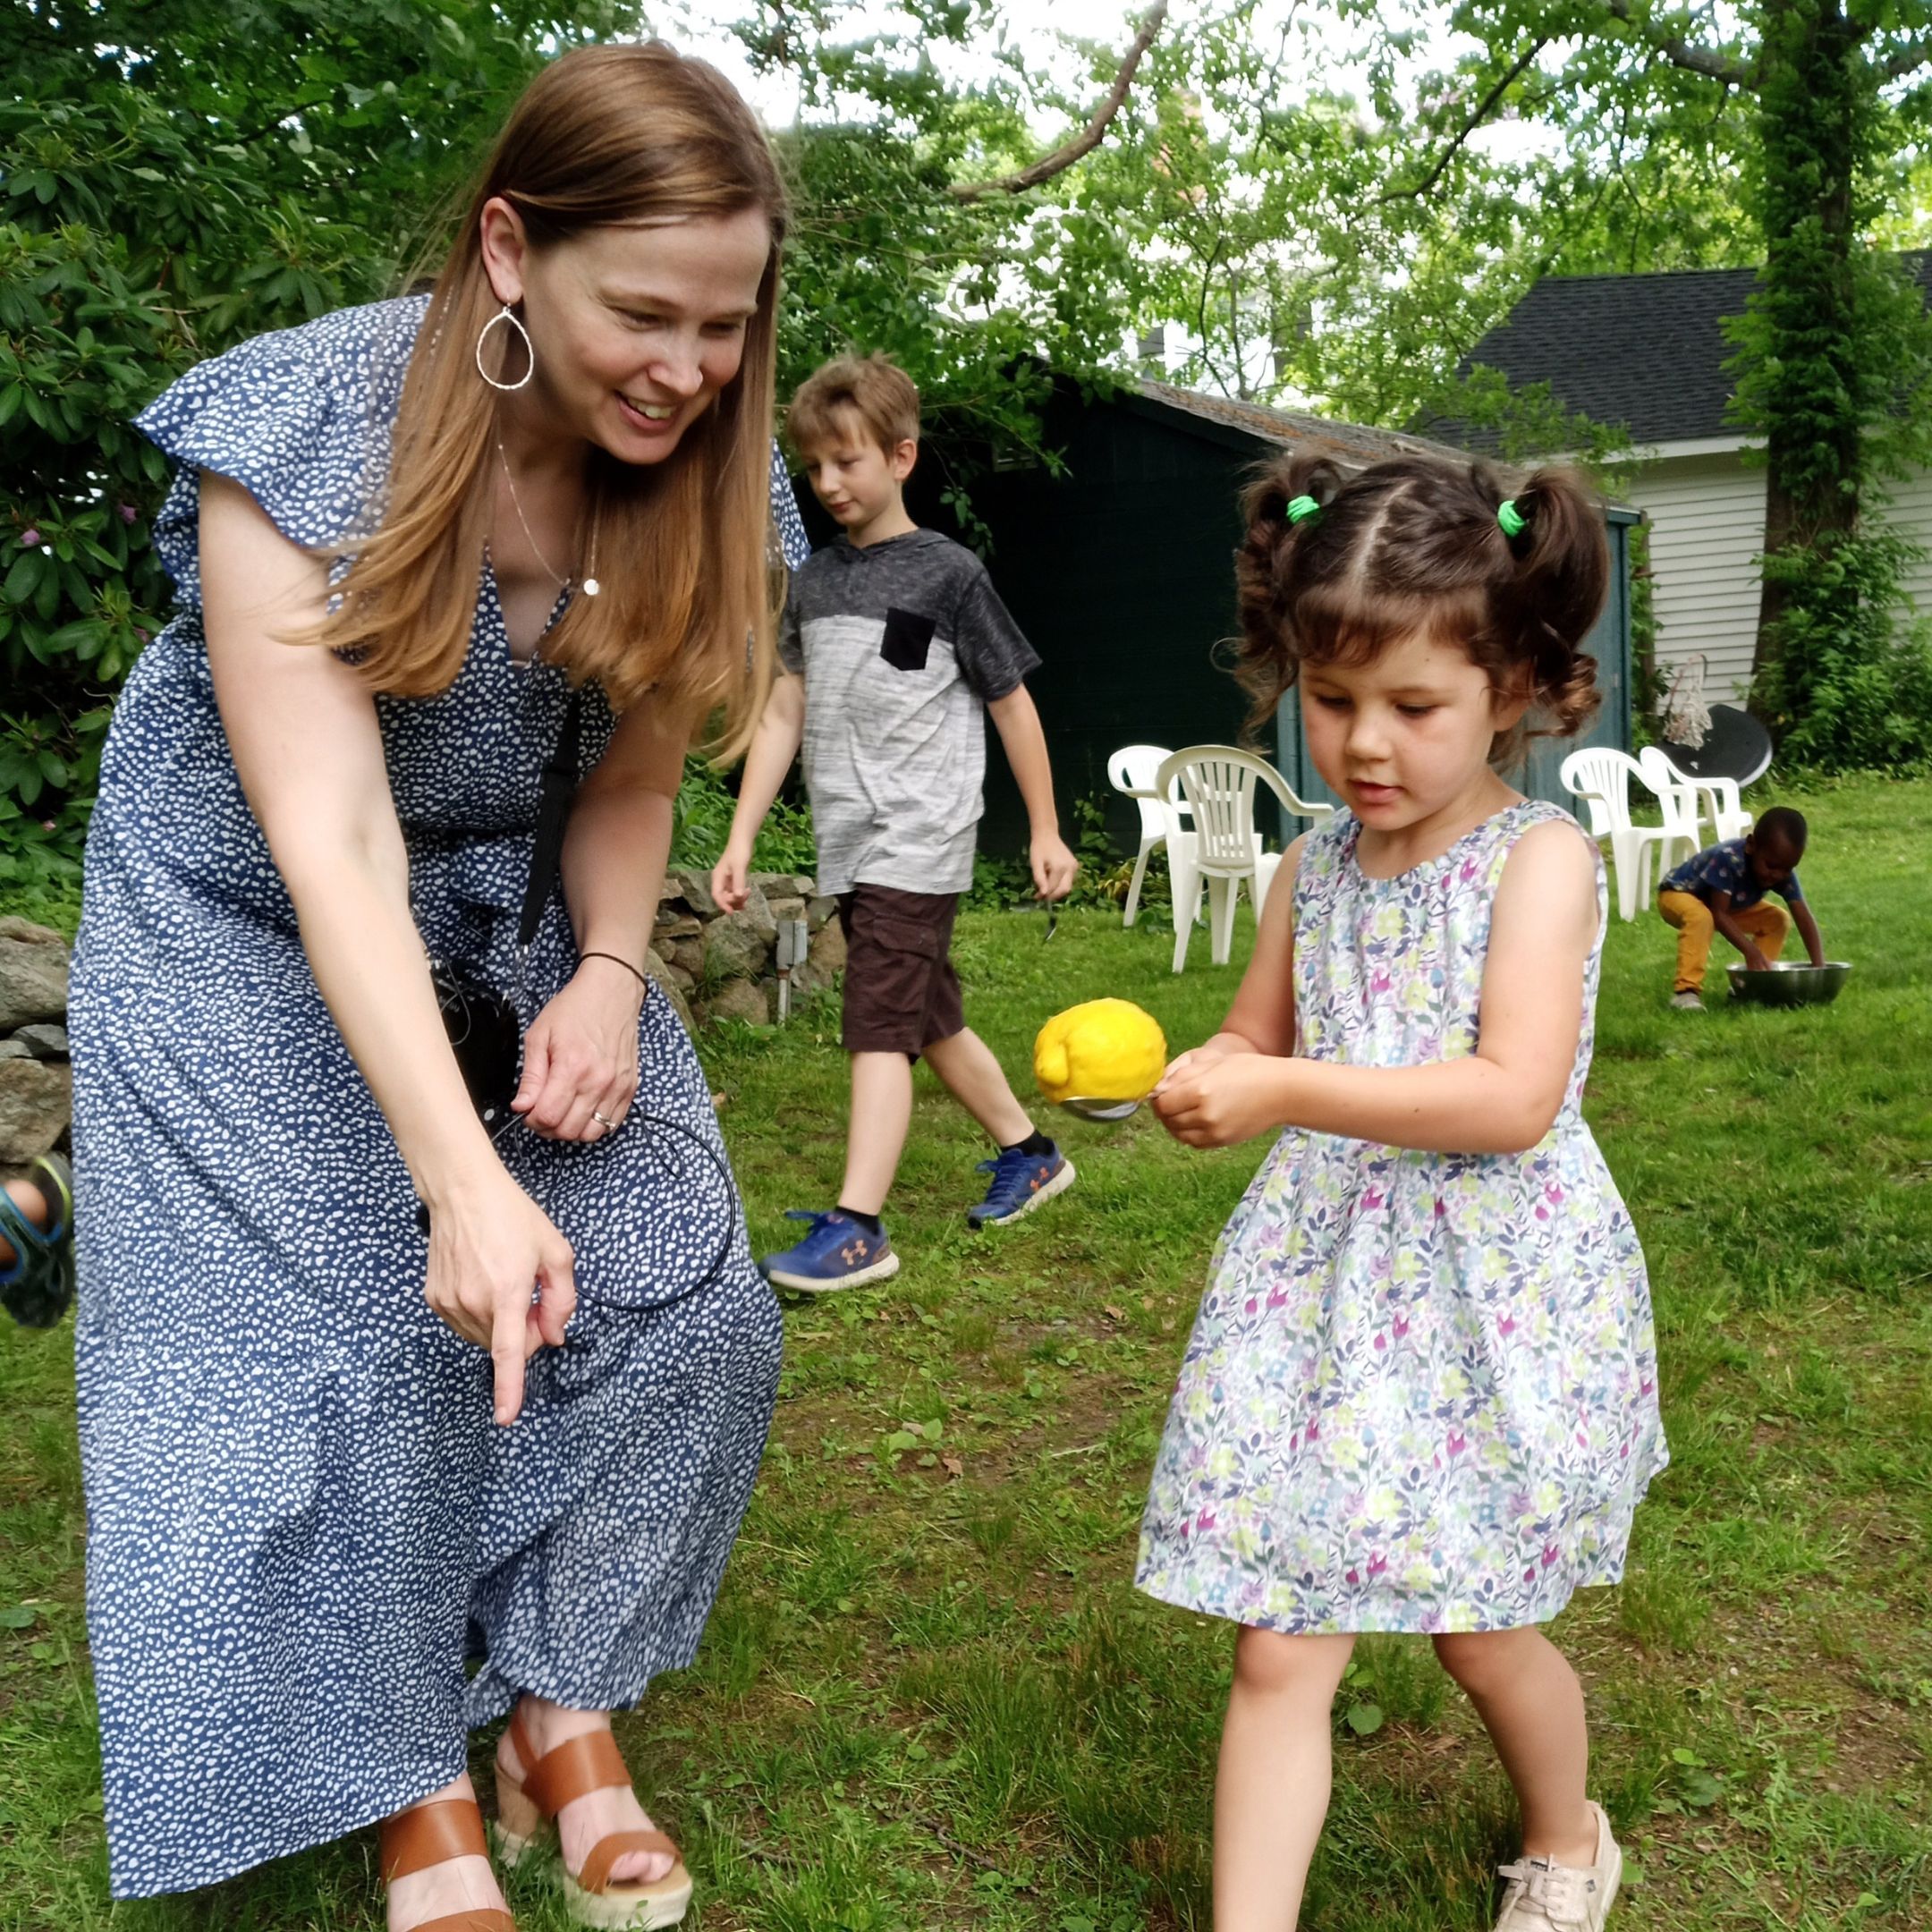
1726, 869
903, 645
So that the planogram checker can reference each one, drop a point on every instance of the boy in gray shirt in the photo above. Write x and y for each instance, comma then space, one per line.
895, 647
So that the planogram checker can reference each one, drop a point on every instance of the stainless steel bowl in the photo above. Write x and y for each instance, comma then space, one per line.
1789, 985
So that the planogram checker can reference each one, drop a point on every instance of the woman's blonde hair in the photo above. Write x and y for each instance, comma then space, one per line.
604, 136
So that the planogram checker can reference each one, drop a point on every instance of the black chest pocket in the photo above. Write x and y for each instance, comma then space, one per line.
909, 638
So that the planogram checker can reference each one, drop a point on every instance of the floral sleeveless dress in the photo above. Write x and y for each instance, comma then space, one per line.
1420, 1394
301, 1517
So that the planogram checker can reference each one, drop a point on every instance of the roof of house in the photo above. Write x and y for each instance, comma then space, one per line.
1349, 444
1645, 351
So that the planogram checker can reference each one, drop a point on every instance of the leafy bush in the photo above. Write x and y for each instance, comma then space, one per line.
702, 819
172, 183
1851, 688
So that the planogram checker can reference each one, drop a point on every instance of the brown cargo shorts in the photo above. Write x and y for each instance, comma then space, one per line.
901, 993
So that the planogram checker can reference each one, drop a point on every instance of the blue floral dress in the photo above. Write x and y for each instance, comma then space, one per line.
1420, 1394
301, 1517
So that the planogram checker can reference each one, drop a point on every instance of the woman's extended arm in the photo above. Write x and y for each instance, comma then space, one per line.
1500, 1099
302, 730
581, 1055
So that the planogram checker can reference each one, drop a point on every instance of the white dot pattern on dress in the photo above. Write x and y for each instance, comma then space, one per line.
300, 1514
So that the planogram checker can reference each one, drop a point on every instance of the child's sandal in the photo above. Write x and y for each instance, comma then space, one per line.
526, 1816
38, 1285
429, 1835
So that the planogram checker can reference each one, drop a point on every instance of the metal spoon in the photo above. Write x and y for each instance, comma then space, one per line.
1100, 1110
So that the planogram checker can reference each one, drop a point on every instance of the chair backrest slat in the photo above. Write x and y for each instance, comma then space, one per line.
1220, 784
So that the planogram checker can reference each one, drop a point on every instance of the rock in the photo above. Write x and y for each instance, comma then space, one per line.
683, 980
828, 955
44, 1042
13, 1049
819, 910
695, 889
802, 887
736, 948
36, 1105
660, 976
33, 973
758, 910
672, 924
687, 954
785, 906
742, 999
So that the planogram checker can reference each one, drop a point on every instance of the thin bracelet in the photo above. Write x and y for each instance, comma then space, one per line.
615, 960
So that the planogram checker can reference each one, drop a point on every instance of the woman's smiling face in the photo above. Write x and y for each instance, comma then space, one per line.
635, 330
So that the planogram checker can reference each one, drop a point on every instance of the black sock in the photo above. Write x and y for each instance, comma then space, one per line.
1035, 1145
869, 1222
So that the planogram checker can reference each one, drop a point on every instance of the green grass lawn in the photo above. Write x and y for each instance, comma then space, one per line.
930, 1696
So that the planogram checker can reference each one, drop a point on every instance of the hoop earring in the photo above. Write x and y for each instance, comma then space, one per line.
509, 315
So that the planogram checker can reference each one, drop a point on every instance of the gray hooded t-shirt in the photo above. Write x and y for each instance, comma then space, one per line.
903, 645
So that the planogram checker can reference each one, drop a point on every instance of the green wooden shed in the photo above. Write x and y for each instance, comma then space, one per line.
1118, 565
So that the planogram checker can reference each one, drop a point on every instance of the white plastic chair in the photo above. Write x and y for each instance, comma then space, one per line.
1600, 777
1133, 770
1716, 799
1219, 783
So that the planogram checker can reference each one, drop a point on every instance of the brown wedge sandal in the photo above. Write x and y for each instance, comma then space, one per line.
429, 1835
526, 1817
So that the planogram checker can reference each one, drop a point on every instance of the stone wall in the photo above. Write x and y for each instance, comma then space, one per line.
718, 965
710, 964
36, 1086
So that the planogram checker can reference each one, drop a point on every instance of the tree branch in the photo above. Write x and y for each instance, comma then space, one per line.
1680, 52
1483, 110
1089, 137
1907, 60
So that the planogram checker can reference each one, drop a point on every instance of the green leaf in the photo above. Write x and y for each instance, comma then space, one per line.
18, 1616
1364, 1719
24, 577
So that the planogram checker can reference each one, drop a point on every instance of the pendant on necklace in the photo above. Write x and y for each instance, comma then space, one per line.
590, 586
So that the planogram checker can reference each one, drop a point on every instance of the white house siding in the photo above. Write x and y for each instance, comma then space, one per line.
1706, 528
1910, 511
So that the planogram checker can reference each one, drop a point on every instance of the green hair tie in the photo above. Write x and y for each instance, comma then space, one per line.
1300, 507
1513, 521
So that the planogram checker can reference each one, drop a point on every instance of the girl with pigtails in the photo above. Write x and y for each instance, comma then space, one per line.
1421, 1395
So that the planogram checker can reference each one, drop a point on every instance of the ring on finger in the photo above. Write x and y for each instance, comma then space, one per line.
603, 1120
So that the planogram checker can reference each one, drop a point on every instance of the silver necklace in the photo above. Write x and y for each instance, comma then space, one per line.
591, 586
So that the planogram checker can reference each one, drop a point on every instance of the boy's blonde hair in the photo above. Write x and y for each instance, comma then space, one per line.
883, 394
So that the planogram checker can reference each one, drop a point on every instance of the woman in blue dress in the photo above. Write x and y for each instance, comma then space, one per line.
332, 1448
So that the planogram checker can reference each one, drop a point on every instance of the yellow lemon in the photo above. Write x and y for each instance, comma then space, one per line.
1107, 1049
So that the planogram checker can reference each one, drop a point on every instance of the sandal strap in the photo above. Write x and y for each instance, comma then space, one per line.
487, 1921
24, 1237
429, 1835
595, 1877
54, 1178
575, 1768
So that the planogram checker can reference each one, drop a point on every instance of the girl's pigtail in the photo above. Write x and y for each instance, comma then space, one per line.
1283, 507
1554, 526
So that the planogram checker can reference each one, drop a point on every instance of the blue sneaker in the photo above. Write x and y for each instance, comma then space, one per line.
1019, 1183
837, 1253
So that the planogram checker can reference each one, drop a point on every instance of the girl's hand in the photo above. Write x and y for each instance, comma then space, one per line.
1214, 1102
490, 1248
731, 884
580, 1055
1209, 1052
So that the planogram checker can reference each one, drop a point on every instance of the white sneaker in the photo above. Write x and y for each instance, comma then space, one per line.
1546, 1897
1687, 1002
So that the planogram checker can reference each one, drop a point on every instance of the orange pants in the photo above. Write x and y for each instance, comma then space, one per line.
1766, 923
